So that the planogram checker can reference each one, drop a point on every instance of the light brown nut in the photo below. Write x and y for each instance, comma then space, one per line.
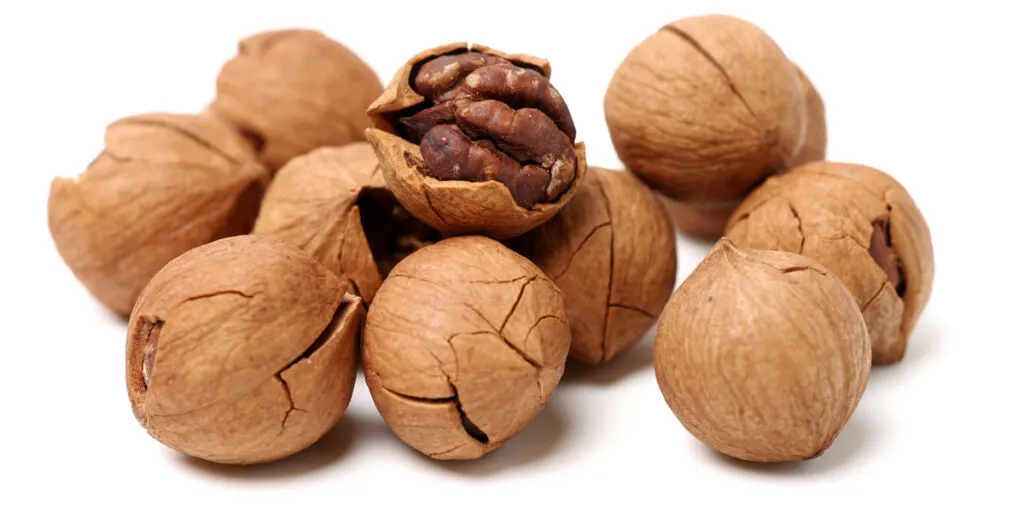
704, 221
844, 216
164, 184
463, 346
815, 143
762, 355
483, 146
293, 91
334, 204
242, 351
705, 109
612, 253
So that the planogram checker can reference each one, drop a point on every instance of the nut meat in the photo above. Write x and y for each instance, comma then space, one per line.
242, 351
463, 345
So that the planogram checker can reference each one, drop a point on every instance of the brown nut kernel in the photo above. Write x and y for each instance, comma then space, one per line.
242, 351
762, 355
475, 141
462, 347
334, 204
816, 141
705, 109
612, 253
863, 226
164, 184
293, 91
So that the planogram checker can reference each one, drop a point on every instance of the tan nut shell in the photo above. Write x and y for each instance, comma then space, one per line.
825, 211
816, 142
612, 253
706, 107
705, 221
762, 355
464, 326
312, 203
453, 207
255, 351
297, 90
165, 183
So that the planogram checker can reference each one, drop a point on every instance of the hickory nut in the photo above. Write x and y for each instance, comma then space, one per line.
863, 226
816, 141
334, 204
762, 355
463, 345
242, 351
612, 253
164, 184
704, 110
475, 141
295, 90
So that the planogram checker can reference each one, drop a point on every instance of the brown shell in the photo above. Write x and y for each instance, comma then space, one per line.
705, 221
249, 347
826, 211
453, 207
762, 355
705, 108
164, 184
296, 90
612, 253
816, 142
463, 345
312, 203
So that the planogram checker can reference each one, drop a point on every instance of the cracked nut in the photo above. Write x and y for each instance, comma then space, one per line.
862, 225
762, 355
816, 140
463, 345
475, 141
334, 204
164, 184
292, 91
704, 110
612, 253
242, 351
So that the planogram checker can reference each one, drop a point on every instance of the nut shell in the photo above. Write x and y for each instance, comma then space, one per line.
453, 207
294, 91
762, 355
705, 108
704, 221
827, 211
463, 345
164, 184
242, 351
816, 141
612, 253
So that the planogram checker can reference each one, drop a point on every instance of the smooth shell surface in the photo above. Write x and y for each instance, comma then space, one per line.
816, 142
762, 355
827, 211
242, 351
463, 345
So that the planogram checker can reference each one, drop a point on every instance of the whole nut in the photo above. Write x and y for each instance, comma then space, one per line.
164, 184
612, 253
293, 91
863, 226
705, 109
816, 142
334, 204
463, 345
762, 355
475, 141
705, 221
242, 351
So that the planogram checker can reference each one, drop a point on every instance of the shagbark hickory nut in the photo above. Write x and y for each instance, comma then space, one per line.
762, 355
242, 351
164, 184
816, 141
704, 221
705, 109
475, 141
295, 90
612, 253
463, 346
334, 204
863, 226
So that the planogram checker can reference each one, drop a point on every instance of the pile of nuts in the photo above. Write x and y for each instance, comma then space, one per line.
445, 234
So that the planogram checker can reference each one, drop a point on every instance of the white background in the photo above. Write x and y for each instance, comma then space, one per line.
931, 94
